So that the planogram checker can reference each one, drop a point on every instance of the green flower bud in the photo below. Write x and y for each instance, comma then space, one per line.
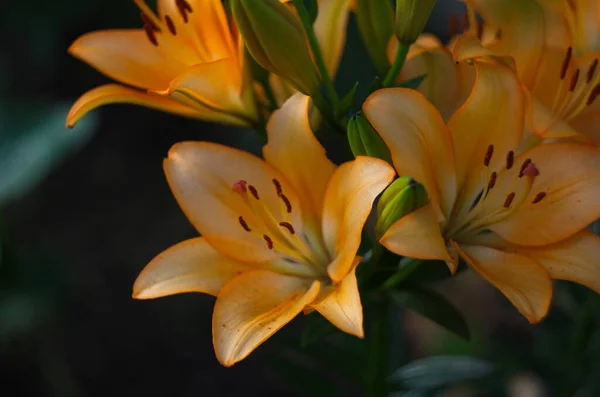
277, 41
411, 17
375, 19
402, 197
365, 141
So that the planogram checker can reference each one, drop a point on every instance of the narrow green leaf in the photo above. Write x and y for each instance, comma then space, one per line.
313, 10
346, 102
413, 83
317, 327
440, 371
433, 306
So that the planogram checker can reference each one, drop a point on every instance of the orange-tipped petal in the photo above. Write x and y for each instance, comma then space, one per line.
252, 307
348, 202
419, 141
190, 266
114, 93
417, 235
569, 175
294, 150
202, 176
128, 57
342, 307
330, 28
523, 281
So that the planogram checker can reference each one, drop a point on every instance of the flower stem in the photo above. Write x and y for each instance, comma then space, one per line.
316, 49
392, 74
377, 370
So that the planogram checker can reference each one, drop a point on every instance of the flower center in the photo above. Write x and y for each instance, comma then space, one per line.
502, 193
298, 252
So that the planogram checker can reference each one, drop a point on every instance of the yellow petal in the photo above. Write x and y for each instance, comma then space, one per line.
493, 115
190, 266
544, 123
573, 259
113, 93
523, 281
252, 307
294, 150
129, 57
570, 177
330, 29
417, 235
419, 140
201, 176
348, 201
342, 307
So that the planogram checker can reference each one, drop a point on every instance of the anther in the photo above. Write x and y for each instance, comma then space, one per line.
510, 160
288, 226
278, 188
253, 191
565, 64
171, 25
464, 22
240, 186
453, 25
574, 80
148, 21
183, 7
498, 34
592, 70
492, 181
269, 241
538, 197
480, 30
531, 170
288, 205
509, 200
593, 95
488, 155
523, 166
244, 224
150, 34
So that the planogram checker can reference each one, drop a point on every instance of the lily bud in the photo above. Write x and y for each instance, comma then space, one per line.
411, 17
375, 19
277, 41
365, 141
402, 197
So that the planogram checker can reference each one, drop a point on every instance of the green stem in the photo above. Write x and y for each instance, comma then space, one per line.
409, 267
377, 369
316, 49
321, 104
392, 74
270, 95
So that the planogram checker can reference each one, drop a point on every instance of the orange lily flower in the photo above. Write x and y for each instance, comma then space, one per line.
187, 60
279, 236
516, 219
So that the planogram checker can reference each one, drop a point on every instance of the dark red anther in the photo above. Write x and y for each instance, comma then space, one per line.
253, 191
170, 25
278, 188
523, 166
288, 226
574, 80
244, 224
510, 160
464, 22
453, 25
269, 241
286, 201
538, 197
480, 30
492, 181
149, 22
498, 34
240, 186
509, 200
593, 95
150, 34
488, 155
592, 71
183, 7
566, 62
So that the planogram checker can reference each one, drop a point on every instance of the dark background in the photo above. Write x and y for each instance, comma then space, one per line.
73, 243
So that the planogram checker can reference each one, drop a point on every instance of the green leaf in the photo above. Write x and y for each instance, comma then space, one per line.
28, 153
313, 10
433, 306
346, 102
440, 371
317, 327
413, 83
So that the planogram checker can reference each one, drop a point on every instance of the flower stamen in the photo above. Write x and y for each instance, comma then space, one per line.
244, 224
510, 159
269, 241
288, 226
538, 197
488, 155
592, 71
509, 199
170, 25
566, 62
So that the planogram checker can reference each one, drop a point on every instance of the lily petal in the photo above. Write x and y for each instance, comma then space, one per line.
570, 178
202, 175
342, 307
497, 102
348, 201
419, 141
330, 29
417, 235
190, 266
523, 281
129, 57
294, 150
113, 94
252, 307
